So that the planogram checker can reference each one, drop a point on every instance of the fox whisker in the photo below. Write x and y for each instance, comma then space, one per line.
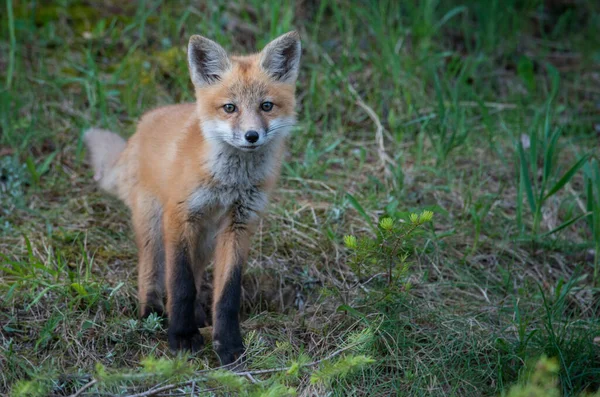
279, 127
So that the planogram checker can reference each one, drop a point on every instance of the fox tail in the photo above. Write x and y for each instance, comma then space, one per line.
105, 148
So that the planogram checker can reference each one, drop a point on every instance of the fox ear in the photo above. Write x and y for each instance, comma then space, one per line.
207, 61
281, 57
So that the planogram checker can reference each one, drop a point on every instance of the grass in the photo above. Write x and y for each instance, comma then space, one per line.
486, 113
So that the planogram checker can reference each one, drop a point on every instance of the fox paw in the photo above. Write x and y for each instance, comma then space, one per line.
188, 341
230, 354
148, 310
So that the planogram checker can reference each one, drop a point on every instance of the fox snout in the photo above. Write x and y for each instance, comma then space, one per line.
252, 136
252, 139
249, 140
251, 130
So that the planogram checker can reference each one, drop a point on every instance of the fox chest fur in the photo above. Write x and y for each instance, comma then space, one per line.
236, 187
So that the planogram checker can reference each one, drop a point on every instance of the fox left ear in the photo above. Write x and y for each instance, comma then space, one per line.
281, 57
207, 61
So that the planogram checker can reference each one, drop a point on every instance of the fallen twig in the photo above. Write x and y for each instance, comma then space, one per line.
84, 388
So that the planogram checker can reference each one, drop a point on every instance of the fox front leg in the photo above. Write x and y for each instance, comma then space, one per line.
183, 331
230, 255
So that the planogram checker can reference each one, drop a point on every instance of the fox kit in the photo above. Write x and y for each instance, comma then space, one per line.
197, 177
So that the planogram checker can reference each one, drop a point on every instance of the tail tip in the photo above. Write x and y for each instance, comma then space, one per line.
104, 149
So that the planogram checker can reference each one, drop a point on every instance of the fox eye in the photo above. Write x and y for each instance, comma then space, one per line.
266, 106
229, 108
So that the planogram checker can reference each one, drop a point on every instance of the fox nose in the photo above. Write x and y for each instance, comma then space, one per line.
251, 136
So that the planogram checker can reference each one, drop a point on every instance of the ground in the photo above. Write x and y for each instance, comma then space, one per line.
485, 113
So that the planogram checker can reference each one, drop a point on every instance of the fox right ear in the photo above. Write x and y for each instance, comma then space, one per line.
207, 61
281, 57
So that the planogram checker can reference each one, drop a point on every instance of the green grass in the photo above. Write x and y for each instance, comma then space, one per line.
485, 112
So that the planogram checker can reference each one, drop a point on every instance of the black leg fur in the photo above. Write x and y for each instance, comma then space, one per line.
183, 331
227, 336
154, 304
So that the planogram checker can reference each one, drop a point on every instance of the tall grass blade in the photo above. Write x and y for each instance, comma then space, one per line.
549, 155
566, 224
449, 15
567, 176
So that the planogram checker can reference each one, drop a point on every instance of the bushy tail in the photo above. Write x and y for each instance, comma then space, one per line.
105, 147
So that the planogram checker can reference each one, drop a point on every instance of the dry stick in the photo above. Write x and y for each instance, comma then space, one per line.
244, 373
210, 389
383, 156
84, 388
251, 378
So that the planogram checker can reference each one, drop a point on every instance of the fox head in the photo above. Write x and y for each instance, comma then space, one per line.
246, 102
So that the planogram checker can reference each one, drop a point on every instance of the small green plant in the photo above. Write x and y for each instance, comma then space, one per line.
542, 382
152, 324
385, 254
31, 388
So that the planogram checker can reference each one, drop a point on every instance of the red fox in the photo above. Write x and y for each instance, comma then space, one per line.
197, 177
